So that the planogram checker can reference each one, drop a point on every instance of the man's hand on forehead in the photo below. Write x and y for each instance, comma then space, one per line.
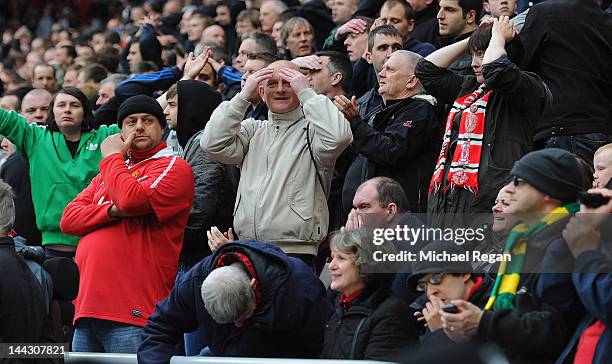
308, 62
249, 91
295, 78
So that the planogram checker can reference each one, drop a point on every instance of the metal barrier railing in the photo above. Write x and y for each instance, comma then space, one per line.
101, 358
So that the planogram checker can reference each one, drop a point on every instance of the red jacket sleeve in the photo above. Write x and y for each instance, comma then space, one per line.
169, 182
84, 215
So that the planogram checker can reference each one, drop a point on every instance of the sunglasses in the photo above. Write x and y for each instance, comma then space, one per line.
434, 280
517, 181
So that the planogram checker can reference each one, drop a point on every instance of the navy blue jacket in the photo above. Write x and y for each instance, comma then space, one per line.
289, 320
586, 291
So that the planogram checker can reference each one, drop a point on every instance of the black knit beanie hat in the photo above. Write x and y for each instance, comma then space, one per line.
555, 172
140, 104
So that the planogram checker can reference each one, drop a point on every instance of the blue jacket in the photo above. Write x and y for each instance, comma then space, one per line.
585, 292
289, 320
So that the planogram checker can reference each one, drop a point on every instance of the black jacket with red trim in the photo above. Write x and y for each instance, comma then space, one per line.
400, 141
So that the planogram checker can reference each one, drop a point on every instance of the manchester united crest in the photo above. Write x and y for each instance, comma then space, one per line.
470, 122
460, 178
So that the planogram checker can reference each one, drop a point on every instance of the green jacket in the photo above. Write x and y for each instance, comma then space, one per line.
56, 177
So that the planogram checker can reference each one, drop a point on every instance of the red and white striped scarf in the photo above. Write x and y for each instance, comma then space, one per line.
466, 159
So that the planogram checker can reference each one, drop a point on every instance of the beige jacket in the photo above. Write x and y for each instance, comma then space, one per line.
280, 199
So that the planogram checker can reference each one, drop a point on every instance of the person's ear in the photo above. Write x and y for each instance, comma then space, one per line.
467, 277
260, 89
391, 211
412, 82
336, 79
471, 17
410, 25
368, 57
252, 283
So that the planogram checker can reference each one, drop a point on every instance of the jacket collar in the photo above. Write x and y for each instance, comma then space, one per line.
166, 152
286, 118
7, 240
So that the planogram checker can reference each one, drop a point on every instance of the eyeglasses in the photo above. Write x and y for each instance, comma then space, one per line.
434, 279
517, 181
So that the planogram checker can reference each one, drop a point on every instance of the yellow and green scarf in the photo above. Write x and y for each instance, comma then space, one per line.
509, 274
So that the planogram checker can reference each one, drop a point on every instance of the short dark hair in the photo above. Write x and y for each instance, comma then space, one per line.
467, 5
45, 65
386, 30
146, 67
70, 50
112, 37
108, 56
88, 118
390, 191
95, 72
264, 43
267, 58
408, 11
219, 54
339, 62
480, 38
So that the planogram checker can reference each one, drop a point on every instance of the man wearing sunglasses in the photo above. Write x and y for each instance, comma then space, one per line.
439, 286
543, 194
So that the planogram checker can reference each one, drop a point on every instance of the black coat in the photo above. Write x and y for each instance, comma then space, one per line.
569, 44
426, 24
213, 204
534, 331
376, 326
513, 109
402, 143
22, 306
432, 341
16, 172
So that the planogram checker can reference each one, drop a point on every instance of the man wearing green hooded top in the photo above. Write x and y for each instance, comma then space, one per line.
63, 159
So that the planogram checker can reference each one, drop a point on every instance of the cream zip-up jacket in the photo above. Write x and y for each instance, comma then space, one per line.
280, 199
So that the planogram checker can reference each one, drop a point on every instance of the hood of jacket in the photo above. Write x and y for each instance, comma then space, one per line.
196, 102
272, 270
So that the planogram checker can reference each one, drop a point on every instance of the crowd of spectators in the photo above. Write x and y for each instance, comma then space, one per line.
216, 172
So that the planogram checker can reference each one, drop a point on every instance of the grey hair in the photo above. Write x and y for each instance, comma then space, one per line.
7, 207
115, 78
360, 243
226, 293
277, 5
410, 60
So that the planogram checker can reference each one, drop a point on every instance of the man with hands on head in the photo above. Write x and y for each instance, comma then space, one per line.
131, 220
286, 161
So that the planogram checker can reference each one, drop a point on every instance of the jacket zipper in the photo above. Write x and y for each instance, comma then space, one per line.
276, 130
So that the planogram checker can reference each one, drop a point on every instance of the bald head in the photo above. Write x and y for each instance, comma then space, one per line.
283, 64
213, 34
35, 106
